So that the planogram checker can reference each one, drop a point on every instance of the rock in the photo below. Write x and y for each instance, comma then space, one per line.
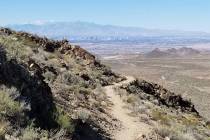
164, 96
6, 31
85, 77
167, 138
103, 103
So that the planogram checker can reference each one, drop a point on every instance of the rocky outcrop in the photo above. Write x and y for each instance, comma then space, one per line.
164, 96
76, 51
6, 31
50, 45
156, 53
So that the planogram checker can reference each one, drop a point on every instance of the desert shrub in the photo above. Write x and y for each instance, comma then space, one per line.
208, 125
15, 48
79, 90
51, 56
98, 90
182, 136
83, 115
174, 133
49, 76
163, 117
84, 91
131, 99
100, 93
120, 91
11, 91
64, 121
68, 78
163, 131
140, 109
190, 120
58, 135
8, 107
32, 133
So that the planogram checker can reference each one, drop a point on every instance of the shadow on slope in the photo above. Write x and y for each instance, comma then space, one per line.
33, 90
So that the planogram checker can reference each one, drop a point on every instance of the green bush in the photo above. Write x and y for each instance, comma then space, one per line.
83, 115
8, 107
49, 76
32, 133
162, 117
174, 133
64, 121
131, 99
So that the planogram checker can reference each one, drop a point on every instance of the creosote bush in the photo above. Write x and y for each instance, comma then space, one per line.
8, 107
162, 117
83, 115
32, 133
64, 121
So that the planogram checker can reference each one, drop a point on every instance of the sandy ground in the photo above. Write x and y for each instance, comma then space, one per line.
131, 129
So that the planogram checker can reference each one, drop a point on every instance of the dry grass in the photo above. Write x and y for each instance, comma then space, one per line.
8, 107
161, 117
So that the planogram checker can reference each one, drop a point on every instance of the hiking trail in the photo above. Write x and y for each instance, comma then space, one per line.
132, 128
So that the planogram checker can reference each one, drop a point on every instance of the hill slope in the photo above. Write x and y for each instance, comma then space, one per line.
56, 86
92, 31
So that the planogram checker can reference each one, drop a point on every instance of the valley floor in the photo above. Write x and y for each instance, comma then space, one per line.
186, 76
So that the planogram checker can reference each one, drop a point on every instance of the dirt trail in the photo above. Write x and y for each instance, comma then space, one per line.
131, 129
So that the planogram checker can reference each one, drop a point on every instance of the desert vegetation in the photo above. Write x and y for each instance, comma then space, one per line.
167, 121
55, 90
50, 89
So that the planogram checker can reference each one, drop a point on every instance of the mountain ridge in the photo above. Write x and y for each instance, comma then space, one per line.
88, 29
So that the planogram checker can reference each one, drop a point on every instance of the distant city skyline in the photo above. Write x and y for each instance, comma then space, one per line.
188, 15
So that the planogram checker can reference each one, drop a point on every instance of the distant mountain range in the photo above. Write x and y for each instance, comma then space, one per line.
92, 31
172, 52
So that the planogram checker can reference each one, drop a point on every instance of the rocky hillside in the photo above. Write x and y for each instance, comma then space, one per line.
49, 89
165, 97
171, 116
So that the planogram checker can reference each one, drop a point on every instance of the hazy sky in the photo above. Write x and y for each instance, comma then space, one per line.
162, 14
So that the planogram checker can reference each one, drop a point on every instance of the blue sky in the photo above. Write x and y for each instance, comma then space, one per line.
161, 14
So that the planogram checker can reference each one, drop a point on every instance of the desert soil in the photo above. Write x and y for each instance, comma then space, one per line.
132, 128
